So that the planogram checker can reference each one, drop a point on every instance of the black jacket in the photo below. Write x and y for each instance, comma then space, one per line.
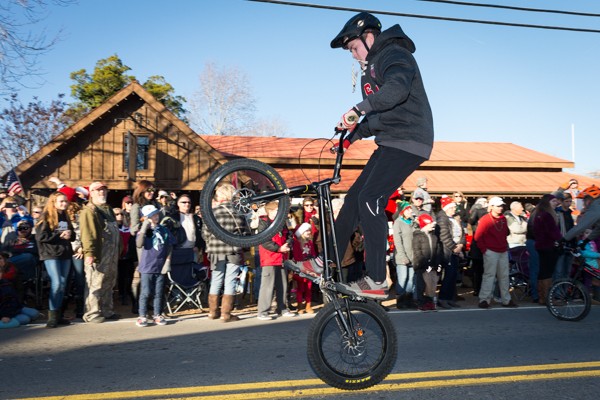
424, 254
50, 245
395, 104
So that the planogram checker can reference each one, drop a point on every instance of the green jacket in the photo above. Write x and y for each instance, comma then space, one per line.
92, 221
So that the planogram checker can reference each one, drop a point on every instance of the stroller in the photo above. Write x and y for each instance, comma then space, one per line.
186, 282
518, 258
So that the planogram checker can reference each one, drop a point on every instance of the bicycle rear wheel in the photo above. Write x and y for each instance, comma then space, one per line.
249, 178
568, 300
356, 361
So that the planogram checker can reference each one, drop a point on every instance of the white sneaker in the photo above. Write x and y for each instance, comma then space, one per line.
142, 322
288, 313
264, 317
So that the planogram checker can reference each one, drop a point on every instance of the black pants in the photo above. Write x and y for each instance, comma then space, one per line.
365, 204
548, 259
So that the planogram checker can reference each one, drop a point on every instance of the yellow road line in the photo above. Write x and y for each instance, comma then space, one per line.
301, 387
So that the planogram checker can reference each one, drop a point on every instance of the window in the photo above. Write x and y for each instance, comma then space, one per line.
142, 144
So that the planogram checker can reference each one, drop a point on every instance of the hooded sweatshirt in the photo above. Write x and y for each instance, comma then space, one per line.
395, 104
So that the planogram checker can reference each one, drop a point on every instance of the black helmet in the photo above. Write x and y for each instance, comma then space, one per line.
354, 28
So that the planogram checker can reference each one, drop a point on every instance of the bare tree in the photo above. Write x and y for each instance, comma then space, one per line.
25, 128
19, 46
269, 127
224, 105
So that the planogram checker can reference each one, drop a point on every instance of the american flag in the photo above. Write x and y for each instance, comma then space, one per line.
13, 185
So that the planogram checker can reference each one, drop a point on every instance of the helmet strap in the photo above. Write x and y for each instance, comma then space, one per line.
362, 39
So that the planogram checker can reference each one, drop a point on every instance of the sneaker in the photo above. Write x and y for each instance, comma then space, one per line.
142, 322
311, 267
160, 320
510, 304
484, 304
365, 287
288, 313
264, 317
113, 317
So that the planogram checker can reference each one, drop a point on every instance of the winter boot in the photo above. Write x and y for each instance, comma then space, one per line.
308, 308
61, 320
544, 286
213, 306
227, 306
52, 319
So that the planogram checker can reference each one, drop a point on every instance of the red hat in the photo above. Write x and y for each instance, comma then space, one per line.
424, 220
69, 192
446, 201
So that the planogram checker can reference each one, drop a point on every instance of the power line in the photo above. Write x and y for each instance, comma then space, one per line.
540, 10
397, 14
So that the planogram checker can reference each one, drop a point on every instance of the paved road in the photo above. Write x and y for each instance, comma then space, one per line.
458, 354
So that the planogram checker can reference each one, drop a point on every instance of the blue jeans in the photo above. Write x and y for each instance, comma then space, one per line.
26, 264
563, 266
534, 268
78, 276
224, 275
151, 283
405, 282
58, 271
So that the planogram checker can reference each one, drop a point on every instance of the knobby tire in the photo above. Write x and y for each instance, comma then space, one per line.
236, 171
357, 368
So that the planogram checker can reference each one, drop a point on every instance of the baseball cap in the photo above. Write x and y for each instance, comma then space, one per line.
162, 193
97, 185
496, 201
149, 210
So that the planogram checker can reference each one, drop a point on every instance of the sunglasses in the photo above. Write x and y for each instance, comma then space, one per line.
36, 212
24, 228
150, 190
309, 205
184, 202
116, 215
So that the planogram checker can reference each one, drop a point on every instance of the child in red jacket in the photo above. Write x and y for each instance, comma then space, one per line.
302, 249
273, 276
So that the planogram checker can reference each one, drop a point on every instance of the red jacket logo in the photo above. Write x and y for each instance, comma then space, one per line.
368, 90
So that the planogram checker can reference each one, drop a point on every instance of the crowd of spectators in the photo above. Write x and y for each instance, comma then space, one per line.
88, 248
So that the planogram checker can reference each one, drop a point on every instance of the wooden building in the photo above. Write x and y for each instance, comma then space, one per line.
133, 137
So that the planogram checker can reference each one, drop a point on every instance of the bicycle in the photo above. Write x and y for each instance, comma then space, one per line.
568, 299
352, 343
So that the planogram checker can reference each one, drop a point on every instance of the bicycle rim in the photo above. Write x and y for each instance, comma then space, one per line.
249, 178
568, 301
358, 362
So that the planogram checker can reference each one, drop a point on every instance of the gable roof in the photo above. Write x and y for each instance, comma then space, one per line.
475, 168
102, 114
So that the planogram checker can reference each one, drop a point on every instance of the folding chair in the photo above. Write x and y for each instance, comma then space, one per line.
185, 286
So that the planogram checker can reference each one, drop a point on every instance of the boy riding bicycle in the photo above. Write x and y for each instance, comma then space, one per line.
395, 110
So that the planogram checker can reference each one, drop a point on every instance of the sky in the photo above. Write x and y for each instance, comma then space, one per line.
485, 83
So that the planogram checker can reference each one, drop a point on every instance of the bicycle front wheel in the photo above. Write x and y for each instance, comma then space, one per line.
250, 179
569, 300
357, 359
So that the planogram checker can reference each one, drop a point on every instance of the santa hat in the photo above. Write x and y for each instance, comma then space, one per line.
69, 192
84, 191
424, 220
302, 228
446, 201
